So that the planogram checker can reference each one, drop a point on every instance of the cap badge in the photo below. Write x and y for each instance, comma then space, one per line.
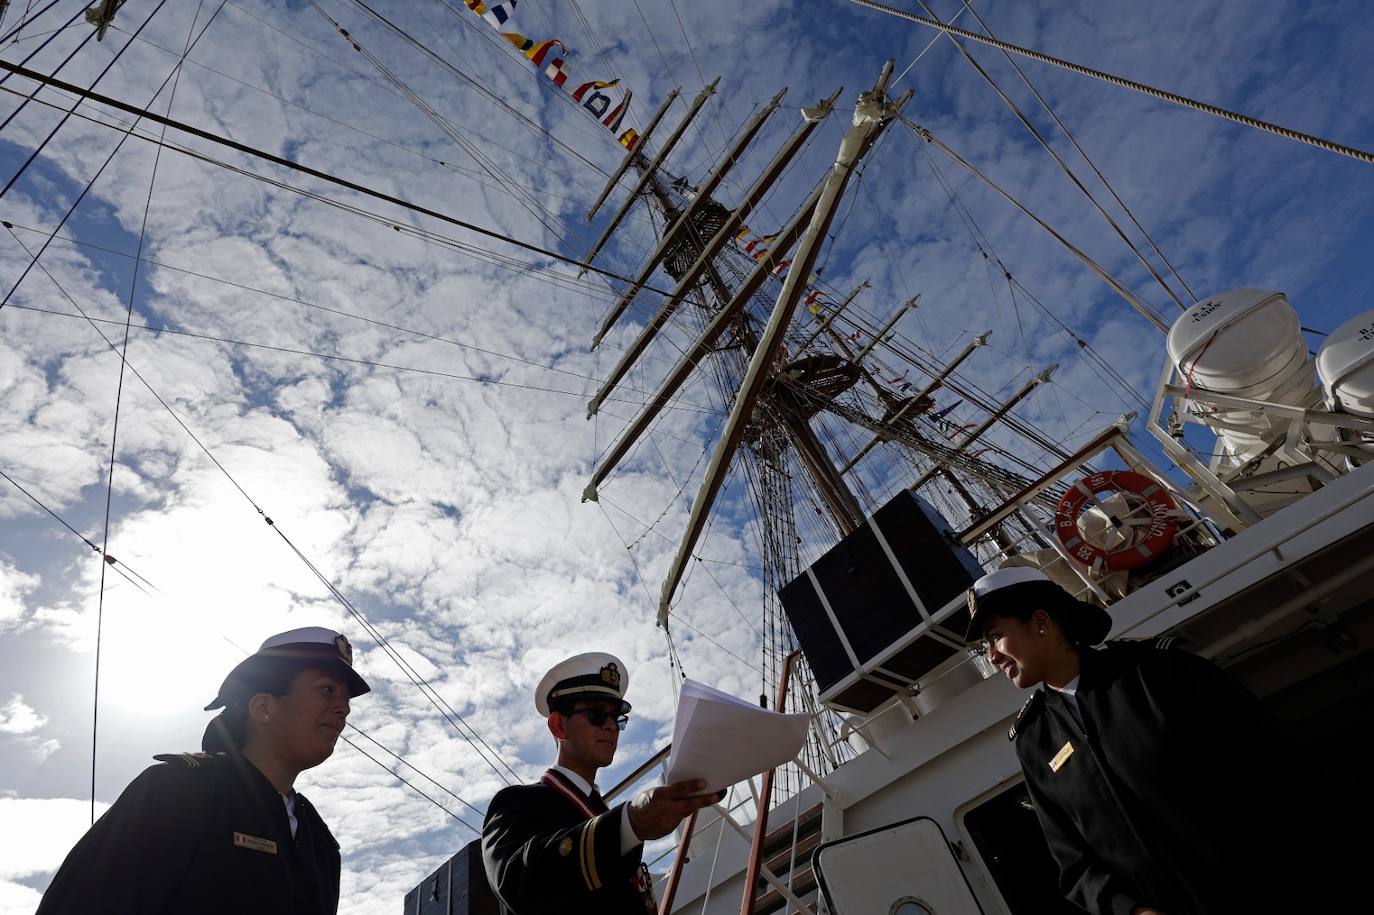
972, 602
610, 675
345, 649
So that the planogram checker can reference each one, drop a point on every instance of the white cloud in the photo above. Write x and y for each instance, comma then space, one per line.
17, 717
39, 832
14, 585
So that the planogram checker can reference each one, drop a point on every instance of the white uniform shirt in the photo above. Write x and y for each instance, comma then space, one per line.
628, 839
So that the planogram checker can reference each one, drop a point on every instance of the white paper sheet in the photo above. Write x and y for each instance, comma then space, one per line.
722, 739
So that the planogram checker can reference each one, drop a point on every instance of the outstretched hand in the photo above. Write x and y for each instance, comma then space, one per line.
656, 812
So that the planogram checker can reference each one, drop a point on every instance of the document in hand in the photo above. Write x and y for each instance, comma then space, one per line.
723, 740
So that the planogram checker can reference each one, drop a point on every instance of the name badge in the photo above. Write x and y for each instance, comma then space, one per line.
243, 840
1062, 756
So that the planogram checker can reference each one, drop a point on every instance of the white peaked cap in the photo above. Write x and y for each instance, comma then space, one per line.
592, 675
1005, 578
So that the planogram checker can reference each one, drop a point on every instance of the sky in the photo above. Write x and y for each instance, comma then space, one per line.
430, 469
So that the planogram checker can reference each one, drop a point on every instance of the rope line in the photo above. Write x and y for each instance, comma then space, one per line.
175, 76
84, 93
1278, 130
435, 700
307, 170
117, 565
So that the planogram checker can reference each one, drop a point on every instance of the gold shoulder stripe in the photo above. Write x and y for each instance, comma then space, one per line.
582, 855
591, 852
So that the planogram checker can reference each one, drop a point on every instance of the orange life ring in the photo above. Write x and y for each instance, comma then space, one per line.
1162, 514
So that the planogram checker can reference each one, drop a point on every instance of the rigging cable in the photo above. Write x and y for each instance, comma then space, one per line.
443, 62
566, 175
1095, 360
28, 20
376, 322
1246, 120
175, 76
313, 172
405, 781
334, 357
1144, 308
536, 272
1063, 166
84, 92
30, 56
108, 159
106, 558
121, 568
435, 699
527, 201
1081, 151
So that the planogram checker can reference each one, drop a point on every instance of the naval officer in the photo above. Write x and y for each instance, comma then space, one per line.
555, 847
1162, 785
224, 830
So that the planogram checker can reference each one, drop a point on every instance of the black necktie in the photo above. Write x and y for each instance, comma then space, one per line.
596, 802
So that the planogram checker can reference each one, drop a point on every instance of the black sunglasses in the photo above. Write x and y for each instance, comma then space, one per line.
597, 717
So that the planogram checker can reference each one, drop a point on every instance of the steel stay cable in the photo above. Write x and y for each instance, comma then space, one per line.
118, 565
25, 23
1081, 151
1044, 144
1246, 120
405, 781
329, 586
308, 170
987, 249
83, 92
108, 159
124, 347
420, 682
438, 338
334, 357
438, 784
527, 201
500, 260
568, 176
30, 56
1144, 308
446, 64
541, 274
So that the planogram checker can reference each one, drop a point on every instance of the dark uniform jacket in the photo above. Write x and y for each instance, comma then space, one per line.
543, 855
1177, 791
200, 834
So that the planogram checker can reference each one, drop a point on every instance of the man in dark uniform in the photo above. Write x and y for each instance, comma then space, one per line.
1163, 786
223, 831
554, 847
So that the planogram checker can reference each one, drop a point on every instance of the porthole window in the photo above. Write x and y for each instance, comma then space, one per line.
910, 905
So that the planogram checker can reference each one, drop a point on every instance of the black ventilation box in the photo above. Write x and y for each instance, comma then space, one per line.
863, 613
458, 887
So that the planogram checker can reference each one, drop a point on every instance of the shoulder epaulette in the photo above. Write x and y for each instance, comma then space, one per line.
189, 760
1025, 709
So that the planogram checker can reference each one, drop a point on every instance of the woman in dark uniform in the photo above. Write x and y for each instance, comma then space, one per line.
1162, 785
224, 831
